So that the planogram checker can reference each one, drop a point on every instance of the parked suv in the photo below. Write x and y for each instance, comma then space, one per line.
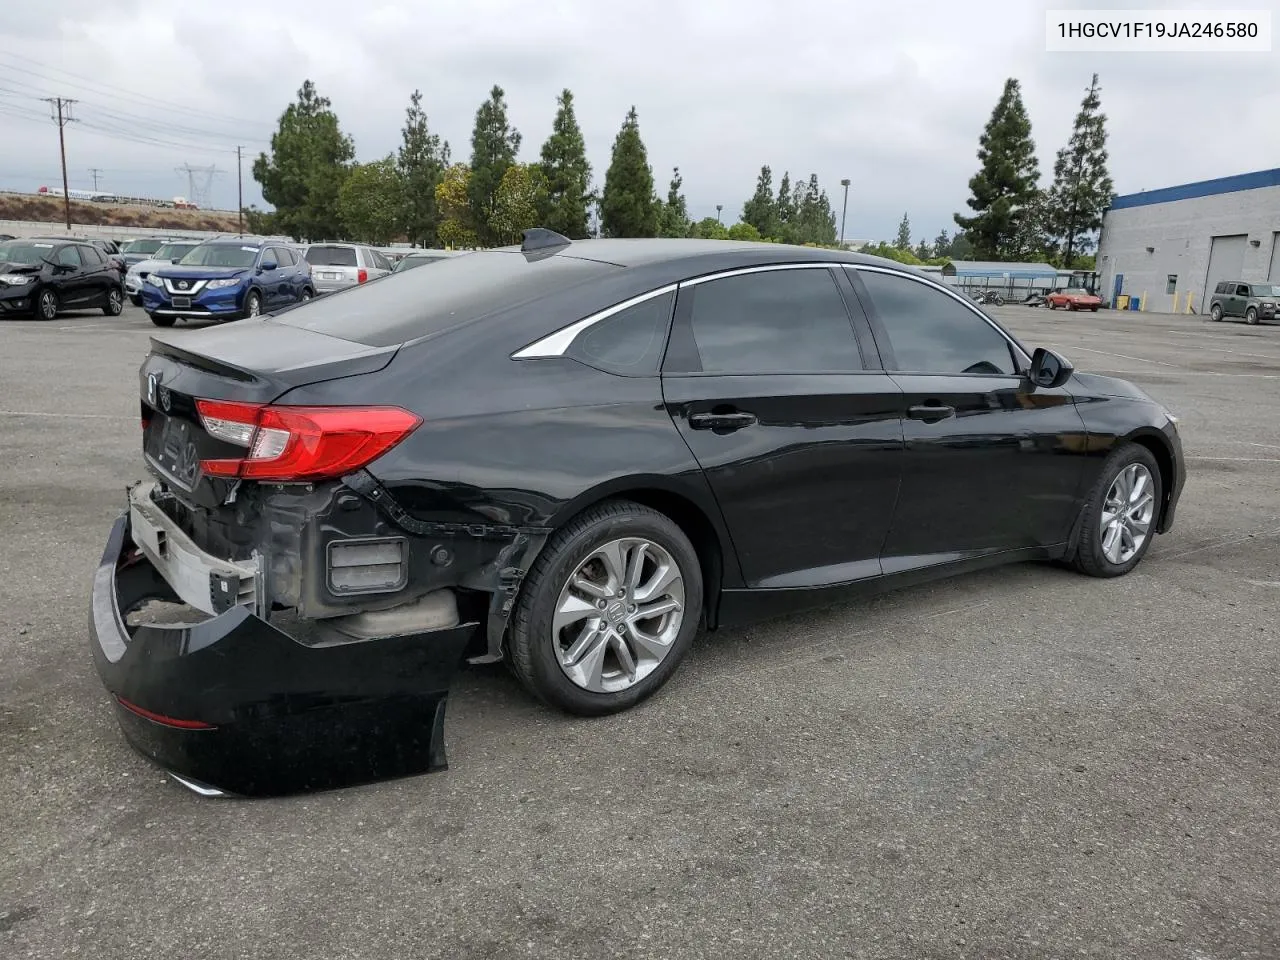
165, 255
336, 266
1253, 301
228, 280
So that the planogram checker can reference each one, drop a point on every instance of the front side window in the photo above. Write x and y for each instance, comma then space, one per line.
774, 321
931, 332
1242, 291
630, 342
282, 257
379, 261
68, 257
91, 256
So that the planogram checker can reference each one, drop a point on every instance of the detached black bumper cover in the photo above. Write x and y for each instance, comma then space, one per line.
236, 704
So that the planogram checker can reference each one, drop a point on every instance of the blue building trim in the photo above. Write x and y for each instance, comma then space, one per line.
1203, 188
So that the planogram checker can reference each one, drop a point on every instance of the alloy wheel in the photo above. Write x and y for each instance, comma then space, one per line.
1127, 513
115, 302
48, 305
618, 615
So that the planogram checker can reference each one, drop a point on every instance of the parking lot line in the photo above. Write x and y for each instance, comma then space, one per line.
1123, 356
64, 416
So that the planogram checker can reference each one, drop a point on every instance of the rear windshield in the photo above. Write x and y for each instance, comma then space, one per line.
174, 251
408, 263
331, 256
416, 303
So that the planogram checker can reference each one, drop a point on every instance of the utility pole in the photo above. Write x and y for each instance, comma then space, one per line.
63, 118
844, 209
239, 194
719, 207
93, 172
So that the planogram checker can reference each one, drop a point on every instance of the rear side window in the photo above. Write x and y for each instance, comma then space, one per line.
379, 261
418, 303
776, 321
331, 256
630, 342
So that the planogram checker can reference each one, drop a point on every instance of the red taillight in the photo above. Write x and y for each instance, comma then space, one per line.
301, 443
362, 276
162, 719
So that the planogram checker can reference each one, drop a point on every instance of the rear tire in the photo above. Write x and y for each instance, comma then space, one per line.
115, 303
47, 305
1251, 316
1215, 313
163, 321
598, 550
1118, 511
307, 294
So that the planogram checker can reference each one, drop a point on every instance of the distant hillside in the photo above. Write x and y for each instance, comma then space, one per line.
38, 209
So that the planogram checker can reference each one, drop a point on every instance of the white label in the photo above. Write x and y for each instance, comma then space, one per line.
1158, 31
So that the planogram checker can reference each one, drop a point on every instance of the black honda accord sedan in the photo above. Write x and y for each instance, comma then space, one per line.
569, 456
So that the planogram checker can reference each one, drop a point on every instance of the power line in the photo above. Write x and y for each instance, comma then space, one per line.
35, 66
94, 172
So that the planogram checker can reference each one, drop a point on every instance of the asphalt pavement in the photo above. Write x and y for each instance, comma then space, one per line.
1018, 763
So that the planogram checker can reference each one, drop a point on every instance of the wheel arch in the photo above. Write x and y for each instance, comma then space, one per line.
1154, 441
694, 512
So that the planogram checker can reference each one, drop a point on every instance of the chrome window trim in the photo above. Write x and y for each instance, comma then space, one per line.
964, 302
555, 344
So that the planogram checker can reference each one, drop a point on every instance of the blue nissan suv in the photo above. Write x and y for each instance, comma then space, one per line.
228, 279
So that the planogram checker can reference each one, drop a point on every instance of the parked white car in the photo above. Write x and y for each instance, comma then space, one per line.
336, 266
170, 252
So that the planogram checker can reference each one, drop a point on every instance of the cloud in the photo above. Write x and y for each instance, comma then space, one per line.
891, 96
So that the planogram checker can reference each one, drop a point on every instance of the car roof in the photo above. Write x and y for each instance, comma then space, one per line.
649, 252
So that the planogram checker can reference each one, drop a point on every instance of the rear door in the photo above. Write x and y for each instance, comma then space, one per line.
990, 464
798, 432
287, 281
99, 277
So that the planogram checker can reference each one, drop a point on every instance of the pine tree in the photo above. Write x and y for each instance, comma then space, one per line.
761, 211
814, 220
785, 206
922, 249
1082, 188
420, 161
567, 174
626, 205
309, 162
942, 244
494, 144
904, 233
674, 214
1006, 182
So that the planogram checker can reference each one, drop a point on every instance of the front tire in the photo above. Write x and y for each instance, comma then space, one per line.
115, 303
252, 304
1251, 316
1119, 517
47, 305
608, 610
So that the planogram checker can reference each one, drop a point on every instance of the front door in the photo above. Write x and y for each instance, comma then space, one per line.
1239, 299
72, 285
800, 439
991, 464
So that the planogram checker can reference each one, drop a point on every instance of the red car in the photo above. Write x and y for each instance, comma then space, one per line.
1073, 298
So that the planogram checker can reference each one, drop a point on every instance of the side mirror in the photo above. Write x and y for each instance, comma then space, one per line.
176, 260
1049, 369
268, 264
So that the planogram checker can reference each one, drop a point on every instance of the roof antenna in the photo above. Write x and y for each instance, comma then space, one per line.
540, 238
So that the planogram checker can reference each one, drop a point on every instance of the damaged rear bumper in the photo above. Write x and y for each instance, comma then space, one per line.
233, 704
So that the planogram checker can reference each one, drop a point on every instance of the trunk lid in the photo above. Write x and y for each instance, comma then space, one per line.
253, 361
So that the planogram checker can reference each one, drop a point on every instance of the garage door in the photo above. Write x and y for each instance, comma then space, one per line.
1273, 273
1226, 260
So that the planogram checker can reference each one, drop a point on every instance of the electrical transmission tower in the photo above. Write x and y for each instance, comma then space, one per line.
199, 182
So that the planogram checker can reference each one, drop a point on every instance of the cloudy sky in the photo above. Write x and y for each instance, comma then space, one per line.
891, 95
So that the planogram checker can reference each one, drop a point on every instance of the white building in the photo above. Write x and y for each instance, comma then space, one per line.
1174, 245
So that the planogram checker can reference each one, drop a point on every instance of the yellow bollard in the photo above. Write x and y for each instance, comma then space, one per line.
1142, 304
1187, 310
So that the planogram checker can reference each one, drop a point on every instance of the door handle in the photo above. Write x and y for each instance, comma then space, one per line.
721, 421
930, 412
